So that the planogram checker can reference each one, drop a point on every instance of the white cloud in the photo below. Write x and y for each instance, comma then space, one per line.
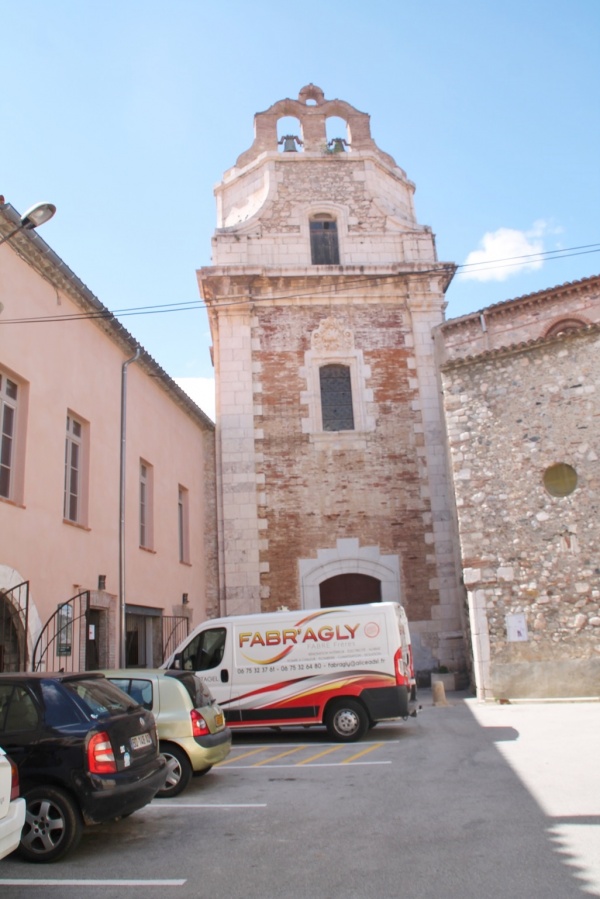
202, 391
514, 251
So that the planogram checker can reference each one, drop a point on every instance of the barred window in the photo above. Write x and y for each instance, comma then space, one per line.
324, 248
336, 398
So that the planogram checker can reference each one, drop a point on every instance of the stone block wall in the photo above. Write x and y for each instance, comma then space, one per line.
520, 320
263, 215
530, 559
381, 485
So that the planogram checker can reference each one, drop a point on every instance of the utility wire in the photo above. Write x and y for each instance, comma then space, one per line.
567, 250
185, 306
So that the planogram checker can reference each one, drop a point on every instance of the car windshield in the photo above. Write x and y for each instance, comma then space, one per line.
99, 697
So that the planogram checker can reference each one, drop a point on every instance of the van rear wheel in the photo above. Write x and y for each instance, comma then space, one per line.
346, 721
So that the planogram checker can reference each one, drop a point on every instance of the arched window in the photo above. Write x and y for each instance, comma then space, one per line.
289, 135
336, 398
324, 248
337, 135
565, 326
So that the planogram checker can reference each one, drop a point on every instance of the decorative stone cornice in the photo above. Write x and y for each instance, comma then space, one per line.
523, 346
507, 307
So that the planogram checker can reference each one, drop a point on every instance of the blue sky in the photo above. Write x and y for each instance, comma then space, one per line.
126, 113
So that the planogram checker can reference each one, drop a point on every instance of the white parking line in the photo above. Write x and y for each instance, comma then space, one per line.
306, 767
162, 804
240, 746
91, 883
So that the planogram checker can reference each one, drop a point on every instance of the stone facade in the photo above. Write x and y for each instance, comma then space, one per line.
302, 505
521, 389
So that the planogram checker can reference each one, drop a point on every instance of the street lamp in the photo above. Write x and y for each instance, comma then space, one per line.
33, 218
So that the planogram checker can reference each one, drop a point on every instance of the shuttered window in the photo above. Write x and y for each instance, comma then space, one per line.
324, 248
336, 398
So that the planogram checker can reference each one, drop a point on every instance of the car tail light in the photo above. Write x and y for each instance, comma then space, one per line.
101, 758
199, 726
14, 784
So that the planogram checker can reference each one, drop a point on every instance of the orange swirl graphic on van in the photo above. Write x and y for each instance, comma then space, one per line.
290, 637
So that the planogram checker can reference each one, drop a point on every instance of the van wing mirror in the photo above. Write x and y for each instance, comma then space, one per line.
177, 661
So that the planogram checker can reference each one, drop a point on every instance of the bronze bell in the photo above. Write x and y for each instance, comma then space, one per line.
337, 145
289, 143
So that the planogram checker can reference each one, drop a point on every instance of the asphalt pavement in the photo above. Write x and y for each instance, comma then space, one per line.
467, 801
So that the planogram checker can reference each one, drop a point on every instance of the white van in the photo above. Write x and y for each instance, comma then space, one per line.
345, 667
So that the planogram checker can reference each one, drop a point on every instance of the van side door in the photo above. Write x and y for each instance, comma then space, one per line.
208, 653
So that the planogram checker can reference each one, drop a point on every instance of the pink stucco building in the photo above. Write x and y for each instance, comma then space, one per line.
118, 515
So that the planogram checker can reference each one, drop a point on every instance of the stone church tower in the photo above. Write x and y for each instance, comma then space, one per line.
332, 473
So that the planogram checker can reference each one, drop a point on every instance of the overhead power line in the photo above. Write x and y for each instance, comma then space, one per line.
349, 284
542, 255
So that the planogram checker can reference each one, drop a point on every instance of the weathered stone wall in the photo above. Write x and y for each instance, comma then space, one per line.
510, 415
264, 213
523, 319
301, 505
342, 484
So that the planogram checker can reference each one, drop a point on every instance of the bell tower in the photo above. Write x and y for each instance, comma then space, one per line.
323, 292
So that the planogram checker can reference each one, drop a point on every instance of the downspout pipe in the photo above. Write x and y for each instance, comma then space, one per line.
122, 631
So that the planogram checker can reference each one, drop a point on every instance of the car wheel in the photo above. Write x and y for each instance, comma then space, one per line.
346, 721
202, 771
52, 825
180, 771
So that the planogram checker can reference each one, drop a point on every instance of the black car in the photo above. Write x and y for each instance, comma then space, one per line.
86, 753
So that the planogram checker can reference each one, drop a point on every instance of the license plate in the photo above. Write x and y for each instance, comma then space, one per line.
141, 740
219, 719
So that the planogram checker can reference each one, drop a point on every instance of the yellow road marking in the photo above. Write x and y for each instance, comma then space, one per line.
273, 758
319, 755
244, 755
364, 752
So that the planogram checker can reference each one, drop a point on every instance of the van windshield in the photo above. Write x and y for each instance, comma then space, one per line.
205, 650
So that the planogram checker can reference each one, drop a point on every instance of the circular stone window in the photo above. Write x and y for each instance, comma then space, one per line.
560, 479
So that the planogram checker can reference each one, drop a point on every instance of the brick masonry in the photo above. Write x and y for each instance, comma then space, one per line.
299, 505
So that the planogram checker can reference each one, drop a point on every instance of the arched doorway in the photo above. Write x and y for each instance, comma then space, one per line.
12, 635
349, 590
347, 557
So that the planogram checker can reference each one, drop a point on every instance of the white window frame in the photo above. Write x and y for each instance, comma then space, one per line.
76, 470
146, 506
183, 524
10, 456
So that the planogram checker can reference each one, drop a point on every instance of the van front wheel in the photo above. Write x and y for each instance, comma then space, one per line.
346, 721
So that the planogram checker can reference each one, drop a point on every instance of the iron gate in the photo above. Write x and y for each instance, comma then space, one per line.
175, 629
63, 642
